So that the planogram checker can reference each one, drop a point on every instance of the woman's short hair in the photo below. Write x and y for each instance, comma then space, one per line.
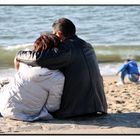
45, 41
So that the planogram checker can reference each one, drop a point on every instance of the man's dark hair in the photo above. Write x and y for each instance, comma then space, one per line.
66, 26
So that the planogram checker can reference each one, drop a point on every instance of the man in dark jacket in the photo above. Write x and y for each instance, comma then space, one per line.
83, 89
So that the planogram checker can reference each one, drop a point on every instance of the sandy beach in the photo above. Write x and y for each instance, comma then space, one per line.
123, 116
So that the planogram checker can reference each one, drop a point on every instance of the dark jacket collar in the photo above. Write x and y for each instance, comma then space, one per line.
72, 37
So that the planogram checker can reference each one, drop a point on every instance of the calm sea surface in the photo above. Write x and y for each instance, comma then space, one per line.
114, 31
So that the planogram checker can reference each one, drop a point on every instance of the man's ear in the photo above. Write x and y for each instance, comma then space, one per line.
59, 34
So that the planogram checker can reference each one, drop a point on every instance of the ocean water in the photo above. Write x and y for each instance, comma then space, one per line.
114, 31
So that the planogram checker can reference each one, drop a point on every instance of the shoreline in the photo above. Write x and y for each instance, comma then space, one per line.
123, 116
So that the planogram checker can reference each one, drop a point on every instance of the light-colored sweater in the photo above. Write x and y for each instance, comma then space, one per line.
32, 93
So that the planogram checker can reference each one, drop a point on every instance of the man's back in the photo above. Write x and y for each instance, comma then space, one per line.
83, 90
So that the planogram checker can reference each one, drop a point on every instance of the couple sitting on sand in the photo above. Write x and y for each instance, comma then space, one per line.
59, 78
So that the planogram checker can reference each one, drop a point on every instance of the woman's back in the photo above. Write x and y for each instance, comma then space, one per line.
33, 92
